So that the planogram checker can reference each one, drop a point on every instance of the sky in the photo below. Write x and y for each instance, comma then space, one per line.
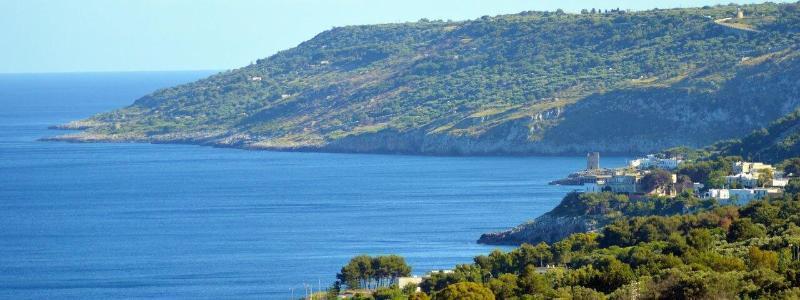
42, 36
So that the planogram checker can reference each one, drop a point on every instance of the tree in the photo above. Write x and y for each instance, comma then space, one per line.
791, 166
388, 293
439, 281
765, 177
614, 274
700, 239
419, 296
504, 287
357, 272
465, 291
364, 271
533, 283
677, 284
388, 268
500, 263
538, 255
579, 293
793, 187
656, 179
760, 259
744, 229
764, 282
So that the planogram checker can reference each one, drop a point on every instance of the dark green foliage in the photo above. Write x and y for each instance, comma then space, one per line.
772, 144
465, 290
793, 187
504, 287
419, 296
533, 283
745, 229
710, 172
655, 179
720, 253
611, 205
368, 272
388, 293
791, 166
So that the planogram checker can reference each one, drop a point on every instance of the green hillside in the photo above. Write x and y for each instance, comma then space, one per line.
775, 143
534, 82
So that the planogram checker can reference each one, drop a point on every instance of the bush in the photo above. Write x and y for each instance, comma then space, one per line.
465, 291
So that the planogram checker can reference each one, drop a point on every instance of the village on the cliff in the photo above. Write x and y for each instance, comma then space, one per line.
748, 180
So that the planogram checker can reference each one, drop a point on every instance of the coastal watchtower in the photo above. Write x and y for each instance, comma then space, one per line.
593, 161
739, 13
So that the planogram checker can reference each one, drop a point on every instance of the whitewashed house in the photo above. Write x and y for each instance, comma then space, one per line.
651, 161
746, 180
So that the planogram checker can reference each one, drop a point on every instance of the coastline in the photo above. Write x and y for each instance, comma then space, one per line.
354, 145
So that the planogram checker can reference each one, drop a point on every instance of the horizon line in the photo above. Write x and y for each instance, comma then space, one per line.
112, 71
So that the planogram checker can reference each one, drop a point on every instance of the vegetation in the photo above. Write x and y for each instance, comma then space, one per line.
709, 171
649, 248
365, 272
546, 82
722, 253
611, 205
465, 291
780, 139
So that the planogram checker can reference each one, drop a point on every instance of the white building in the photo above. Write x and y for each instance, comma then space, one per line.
780, 182
402, 282
742, 179
651, 161
739, 196
719, 194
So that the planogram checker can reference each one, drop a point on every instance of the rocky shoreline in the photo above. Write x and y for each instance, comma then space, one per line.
546, 228
413, 142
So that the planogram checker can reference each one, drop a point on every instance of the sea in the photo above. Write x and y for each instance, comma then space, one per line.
134, 220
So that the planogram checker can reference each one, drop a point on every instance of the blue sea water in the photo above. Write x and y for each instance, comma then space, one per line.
105, 221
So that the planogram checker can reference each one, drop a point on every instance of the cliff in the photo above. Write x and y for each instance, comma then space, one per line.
546, 228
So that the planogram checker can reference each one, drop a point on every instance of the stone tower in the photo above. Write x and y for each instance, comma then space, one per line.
739, 13
593, 161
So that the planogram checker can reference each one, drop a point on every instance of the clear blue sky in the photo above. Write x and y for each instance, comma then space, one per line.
148, 35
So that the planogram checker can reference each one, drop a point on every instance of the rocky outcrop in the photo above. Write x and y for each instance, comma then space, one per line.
78, 125
546, 228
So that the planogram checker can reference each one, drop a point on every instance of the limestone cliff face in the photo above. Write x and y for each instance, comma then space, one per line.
546, 228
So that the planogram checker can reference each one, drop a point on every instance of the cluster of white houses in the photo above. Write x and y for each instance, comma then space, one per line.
748, 181
651, 161
627, 180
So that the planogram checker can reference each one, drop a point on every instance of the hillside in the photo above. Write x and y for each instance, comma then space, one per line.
528, 83
588, 212
774, 143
